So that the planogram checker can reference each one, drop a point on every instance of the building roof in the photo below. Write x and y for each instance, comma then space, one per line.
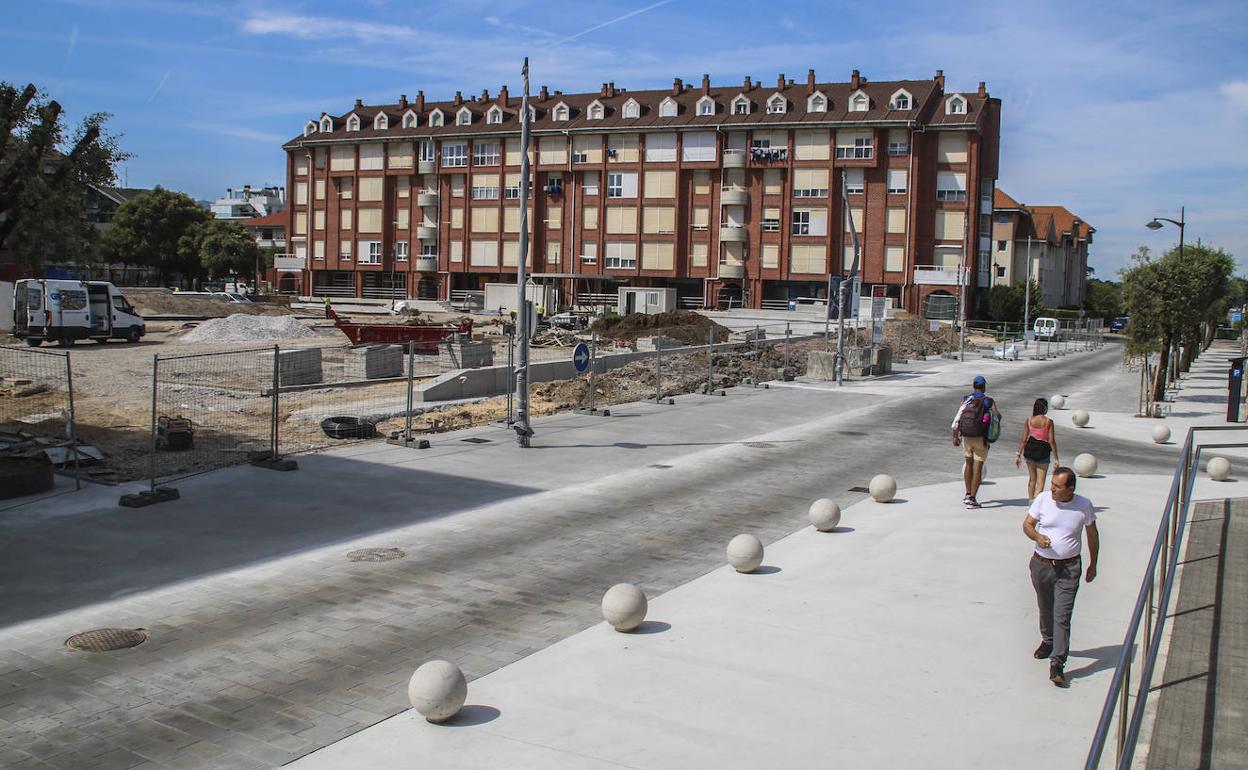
276, 219
925, 95
1002, 201
1064, 221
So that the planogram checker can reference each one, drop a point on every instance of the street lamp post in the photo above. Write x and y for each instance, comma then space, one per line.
1156, 224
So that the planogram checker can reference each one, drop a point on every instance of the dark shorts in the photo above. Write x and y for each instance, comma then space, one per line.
1037, 451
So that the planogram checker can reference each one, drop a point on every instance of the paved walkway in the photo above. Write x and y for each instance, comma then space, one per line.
267, 643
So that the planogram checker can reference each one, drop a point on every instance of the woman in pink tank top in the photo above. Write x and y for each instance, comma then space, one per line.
1038, 447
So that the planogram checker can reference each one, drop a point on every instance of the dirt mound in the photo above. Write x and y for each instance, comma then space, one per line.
247, 328
690, 328
164, 302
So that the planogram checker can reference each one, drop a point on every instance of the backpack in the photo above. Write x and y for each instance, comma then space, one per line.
994, 427
975, 417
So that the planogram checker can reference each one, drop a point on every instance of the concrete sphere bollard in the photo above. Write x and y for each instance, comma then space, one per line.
1057, 401
825, 514
624, 606
745, 553
883, 488
1080, 418
1085, 465
1161, 434
1219, 468
437, 690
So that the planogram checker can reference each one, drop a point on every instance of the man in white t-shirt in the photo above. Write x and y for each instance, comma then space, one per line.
1056, 522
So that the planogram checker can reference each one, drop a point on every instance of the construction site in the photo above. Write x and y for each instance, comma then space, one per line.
214, 383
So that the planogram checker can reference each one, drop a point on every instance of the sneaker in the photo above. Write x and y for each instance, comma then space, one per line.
1043, 651
973, 503
1057, 674
966, 498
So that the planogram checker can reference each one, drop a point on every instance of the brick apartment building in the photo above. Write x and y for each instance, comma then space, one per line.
730, 194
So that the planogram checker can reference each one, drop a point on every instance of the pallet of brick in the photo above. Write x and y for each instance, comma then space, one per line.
299, 366
373, 362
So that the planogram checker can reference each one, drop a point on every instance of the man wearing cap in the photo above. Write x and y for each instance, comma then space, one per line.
1055, 523
970, 431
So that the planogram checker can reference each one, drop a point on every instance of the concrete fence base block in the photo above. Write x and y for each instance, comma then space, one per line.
466, 354
374, 362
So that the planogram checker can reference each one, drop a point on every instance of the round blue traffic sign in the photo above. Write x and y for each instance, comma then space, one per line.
580, 357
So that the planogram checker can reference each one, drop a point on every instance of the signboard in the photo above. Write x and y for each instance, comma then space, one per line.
855, 301
933, 326
580, 357
879, 290
837, 289
877, 316
834, 295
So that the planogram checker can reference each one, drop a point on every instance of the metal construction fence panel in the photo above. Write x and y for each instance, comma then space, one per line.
37, 406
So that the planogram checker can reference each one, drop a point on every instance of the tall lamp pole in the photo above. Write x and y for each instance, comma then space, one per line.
846, 288
1156, 224
521, 425
1027, 297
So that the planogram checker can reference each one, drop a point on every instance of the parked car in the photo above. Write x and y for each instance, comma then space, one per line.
1047, 328
1119, 324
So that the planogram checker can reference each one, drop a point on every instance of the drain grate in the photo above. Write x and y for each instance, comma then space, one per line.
376, 554
859, 489
107, 639
661, 466
759, 445
851, 433
475, 440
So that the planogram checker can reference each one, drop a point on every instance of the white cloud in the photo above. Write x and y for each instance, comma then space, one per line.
73, 43
240, 132
616, 20
323, 27
493, 21
1236, 93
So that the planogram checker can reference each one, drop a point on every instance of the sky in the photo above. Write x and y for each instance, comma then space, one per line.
1118, 111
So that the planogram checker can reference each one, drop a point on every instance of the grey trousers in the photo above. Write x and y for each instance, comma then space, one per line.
1055, 596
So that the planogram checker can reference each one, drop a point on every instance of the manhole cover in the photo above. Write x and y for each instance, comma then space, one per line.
658, 465
376, 554
851, 433
759, 445
106, 639
859, 489
475, 440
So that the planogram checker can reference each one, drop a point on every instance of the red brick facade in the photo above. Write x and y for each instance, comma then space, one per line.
711, 147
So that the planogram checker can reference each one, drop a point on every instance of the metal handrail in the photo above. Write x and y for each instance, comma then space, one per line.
1169, 534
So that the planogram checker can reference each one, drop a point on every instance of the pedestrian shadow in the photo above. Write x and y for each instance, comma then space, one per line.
471, 716
1010, 503
1103, 659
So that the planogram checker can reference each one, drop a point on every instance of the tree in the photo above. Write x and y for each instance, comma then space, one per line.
225, 248
158, 228
1005, 303
45, 179
1103, 299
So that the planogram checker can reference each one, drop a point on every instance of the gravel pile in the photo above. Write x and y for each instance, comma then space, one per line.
247, 328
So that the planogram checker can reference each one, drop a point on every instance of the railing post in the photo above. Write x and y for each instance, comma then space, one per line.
1124, 690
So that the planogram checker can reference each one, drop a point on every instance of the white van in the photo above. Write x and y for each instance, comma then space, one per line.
1047, 328
63, 311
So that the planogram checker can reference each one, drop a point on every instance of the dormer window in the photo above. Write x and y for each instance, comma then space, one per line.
560, 113
532, 114
741, 105
706, 106
463, 117
595, 110
494, 116
776, 105
437, 119
327, 124
631, 109
901, 101
353, 123
817, 103
309, 128
409, 119
668, 108
381, 122
955, 105
859, 102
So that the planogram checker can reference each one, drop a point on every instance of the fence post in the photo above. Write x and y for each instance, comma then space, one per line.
593, 369
710, 360
152, 494
71, 428
658, 369
411, 380
788, 331
274, 461
511, 370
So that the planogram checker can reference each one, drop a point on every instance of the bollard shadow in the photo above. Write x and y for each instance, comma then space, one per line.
651, 627
471, 716
894, 501
766, 569
838, 531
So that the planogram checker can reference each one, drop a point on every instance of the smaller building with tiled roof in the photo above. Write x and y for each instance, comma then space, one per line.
1049, 243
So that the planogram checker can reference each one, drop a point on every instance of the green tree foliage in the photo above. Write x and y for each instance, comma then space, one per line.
159, 228
1005, 303
1174, 301
1103, 299
46, 177
224, 248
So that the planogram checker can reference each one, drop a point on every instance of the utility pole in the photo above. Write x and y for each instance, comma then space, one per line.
521, 426
1027, 297
962, 279
847, 285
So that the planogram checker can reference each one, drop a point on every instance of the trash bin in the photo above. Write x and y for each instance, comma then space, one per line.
792, 304
1234, 389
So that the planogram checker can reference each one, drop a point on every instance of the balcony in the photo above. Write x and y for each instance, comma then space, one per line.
427, 264
734, 158
732, 234
935, 275
734, 196
426, 166
732, 270
426, 232
427, 198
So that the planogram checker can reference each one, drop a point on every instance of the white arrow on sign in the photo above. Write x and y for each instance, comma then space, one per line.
580, 358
